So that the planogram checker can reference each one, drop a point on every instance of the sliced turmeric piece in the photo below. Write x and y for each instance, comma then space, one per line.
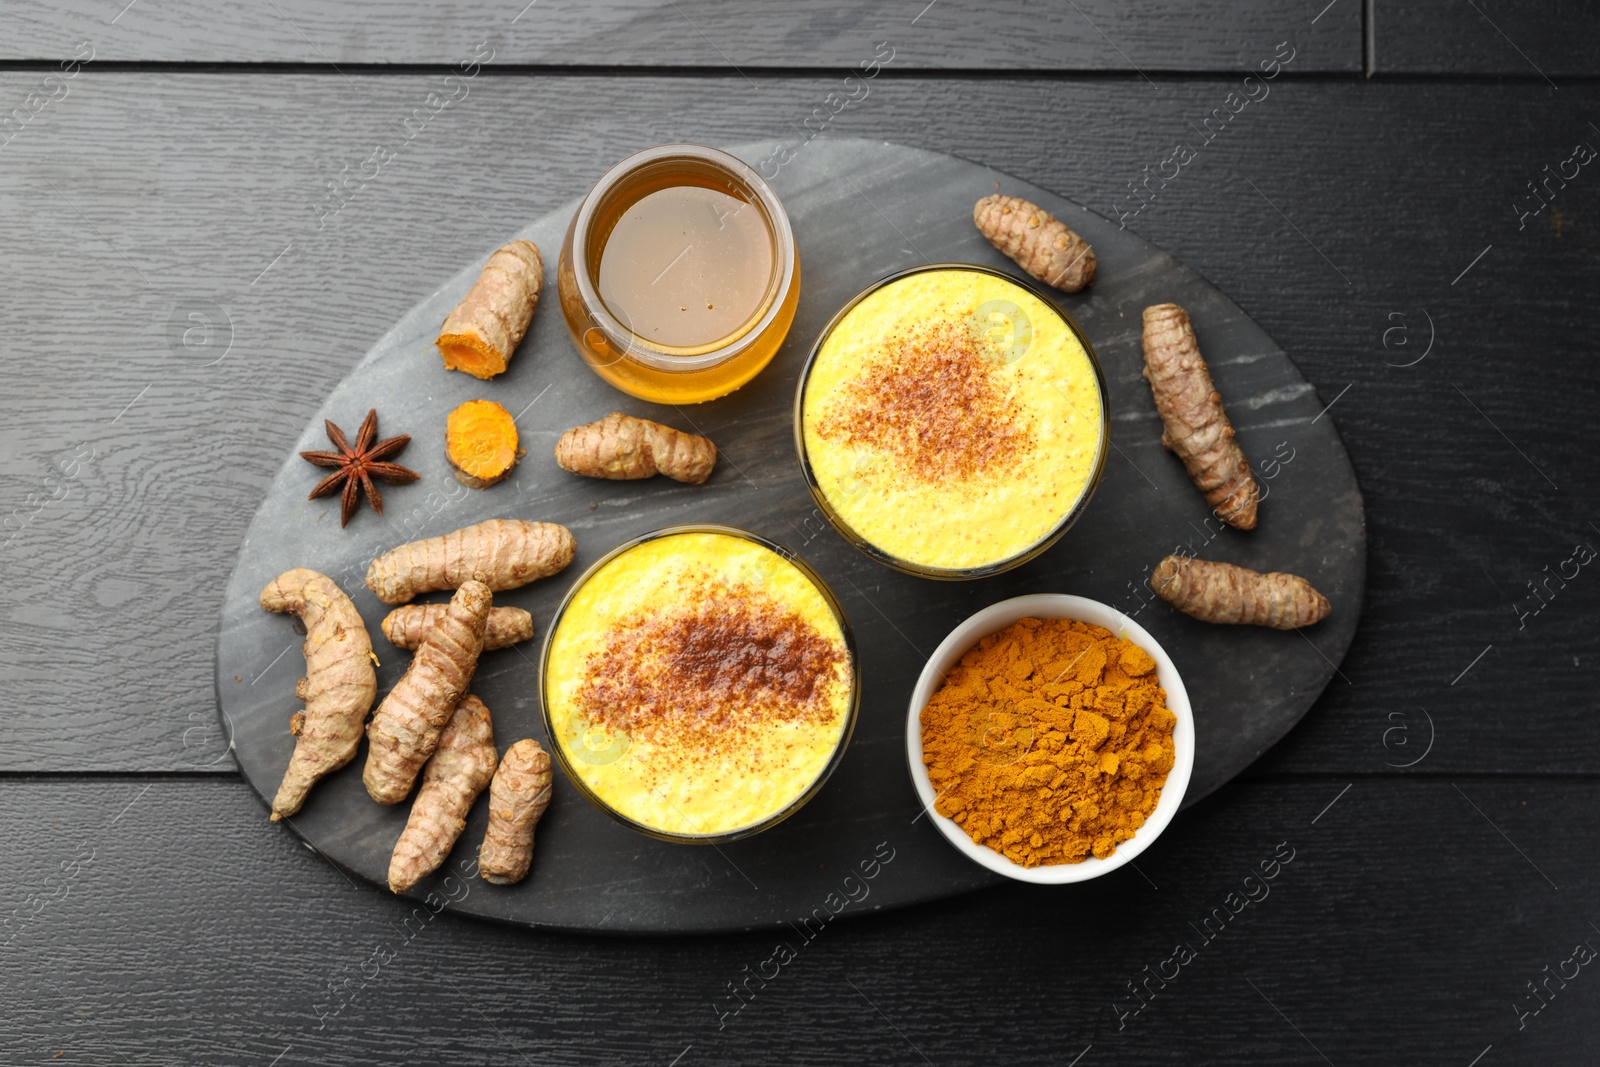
405, 729
480, 441
480, 334
501, 553
408, 624
621, 446
518, 797
460, 769
1042, 244
338, 687
1196, 428
1221, 592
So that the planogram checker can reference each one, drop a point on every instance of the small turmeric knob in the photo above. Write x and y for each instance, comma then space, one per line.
503, 553
405, 730
459, 770
1041, 244
621, 446
1195, 425
1221, 592
518, 796
407, 625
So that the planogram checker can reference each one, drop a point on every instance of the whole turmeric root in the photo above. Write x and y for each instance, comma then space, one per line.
405, 729
1041, 244
1197, 429
452, 780
338, 687
480, 334
480, 441
622, 446
501, 553
518, 797
407, 625
1221, 592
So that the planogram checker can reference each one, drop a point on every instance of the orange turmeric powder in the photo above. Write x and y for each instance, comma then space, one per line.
1050, 741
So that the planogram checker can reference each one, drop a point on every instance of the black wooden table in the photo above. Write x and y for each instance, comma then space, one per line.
198, 244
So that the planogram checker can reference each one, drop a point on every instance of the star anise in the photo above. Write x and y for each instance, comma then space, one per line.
354, 468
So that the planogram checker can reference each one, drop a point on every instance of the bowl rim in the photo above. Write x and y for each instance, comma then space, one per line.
871, 550
997, 617
559, 752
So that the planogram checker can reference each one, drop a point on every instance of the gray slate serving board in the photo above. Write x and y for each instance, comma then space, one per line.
860, 210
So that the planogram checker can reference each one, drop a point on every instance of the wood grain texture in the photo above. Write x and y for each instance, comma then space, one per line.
122, 204
1094, 35
1402, 930
1538, 40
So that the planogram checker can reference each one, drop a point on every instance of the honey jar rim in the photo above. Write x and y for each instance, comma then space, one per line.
670, 358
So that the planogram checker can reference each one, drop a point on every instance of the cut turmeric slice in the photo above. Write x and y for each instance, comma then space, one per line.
480, 441
479, 336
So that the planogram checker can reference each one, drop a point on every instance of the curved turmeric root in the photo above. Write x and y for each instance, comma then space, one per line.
1197, 429
480, 441
1221, 592
408, 624
338, 687
1041, 244
405, 729
518, 797
501, 553
452, 780
480, 334
622, 446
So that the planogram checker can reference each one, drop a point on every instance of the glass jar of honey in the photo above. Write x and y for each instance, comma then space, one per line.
679, 278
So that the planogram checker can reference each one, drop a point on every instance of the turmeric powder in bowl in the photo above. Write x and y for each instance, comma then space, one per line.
1050, 741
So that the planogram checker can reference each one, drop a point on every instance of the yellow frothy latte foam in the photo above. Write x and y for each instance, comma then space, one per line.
952, 419
698, 683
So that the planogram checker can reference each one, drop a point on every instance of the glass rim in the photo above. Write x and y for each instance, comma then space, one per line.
905, 566
669, 358
559, 752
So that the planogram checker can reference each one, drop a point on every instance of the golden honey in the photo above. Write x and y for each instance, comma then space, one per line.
685, 266
679, 279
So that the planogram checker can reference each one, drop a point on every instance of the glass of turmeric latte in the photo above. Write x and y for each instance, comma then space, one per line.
699, 684
951, 421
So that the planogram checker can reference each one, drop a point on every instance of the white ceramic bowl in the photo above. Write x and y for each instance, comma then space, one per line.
997, 617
